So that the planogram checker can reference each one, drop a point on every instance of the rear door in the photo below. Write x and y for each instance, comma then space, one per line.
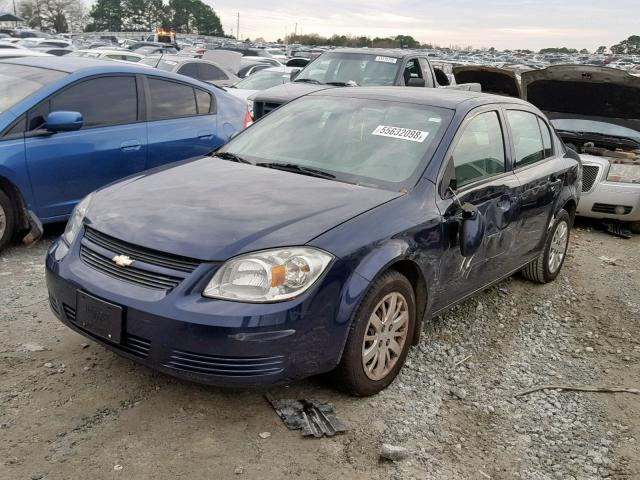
181, 121
533, 154
66, 166
480, 158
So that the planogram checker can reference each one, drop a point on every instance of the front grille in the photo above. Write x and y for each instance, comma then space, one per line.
589, 176
226, 366
131, 344
142, 254
606, 208
260, 109
133, 275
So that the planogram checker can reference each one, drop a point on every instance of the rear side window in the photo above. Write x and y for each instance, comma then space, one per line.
171, 100
480, 153
546, 138
189, 70
527, 138
203, 100
101, 101
209, 73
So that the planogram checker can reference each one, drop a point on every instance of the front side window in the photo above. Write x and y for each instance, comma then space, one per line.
527, 138
101, 101
171, 100
479, 153
363, 141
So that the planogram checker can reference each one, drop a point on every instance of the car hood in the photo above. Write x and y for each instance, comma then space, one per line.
585, 92
492, 80
213, 209
287, 92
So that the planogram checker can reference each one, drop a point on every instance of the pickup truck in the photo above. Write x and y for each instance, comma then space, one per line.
355, 67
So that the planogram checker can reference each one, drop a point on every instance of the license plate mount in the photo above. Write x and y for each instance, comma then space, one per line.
98, 317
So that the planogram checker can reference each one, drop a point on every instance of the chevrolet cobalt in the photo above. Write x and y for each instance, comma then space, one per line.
319, 239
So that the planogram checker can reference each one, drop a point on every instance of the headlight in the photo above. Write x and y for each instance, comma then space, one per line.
622, 172
268, 276
75, 222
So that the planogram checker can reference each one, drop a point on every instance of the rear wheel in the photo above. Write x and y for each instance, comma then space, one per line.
379, 337
547, 266
635, 227
7, 220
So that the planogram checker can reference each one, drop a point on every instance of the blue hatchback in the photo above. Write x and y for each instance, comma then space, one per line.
320, 238
71, 125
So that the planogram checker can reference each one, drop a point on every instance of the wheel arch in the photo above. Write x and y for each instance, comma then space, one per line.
20, 208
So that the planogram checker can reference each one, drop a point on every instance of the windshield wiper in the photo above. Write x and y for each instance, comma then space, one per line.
294, 168
350, 83
231, 157
307, 80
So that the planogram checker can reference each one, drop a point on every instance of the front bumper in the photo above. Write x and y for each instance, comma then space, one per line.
213, 341
605, 196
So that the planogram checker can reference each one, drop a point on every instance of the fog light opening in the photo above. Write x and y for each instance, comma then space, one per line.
619, 210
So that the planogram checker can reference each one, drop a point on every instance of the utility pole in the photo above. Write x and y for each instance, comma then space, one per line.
295, 31
238, 28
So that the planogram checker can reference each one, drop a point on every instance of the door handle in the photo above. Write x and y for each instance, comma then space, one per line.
205, 136
130, 146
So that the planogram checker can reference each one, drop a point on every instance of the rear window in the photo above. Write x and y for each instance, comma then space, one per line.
17, 82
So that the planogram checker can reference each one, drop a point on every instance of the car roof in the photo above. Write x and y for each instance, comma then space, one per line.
384, 52
452, 99
78, 64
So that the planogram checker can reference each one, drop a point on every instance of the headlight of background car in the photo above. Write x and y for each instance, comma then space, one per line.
622, 172
268, 276
75, 222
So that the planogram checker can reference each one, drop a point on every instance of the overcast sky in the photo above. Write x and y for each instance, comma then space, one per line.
502, 24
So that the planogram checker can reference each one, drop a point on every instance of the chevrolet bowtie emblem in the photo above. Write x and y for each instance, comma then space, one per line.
122, 261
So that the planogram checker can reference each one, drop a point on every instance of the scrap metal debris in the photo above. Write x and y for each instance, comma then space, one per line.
587, 388
313, 417
617, 229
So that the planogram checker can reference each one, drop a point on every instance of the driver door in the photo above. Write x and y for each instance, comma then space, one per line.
479, 162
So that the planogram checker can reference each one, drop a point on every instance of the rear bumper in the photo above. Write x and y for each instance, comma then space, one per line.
211, 341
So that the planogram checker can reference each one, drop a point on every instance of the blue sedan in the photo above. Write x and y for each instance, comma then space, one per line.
320, 238
71, 125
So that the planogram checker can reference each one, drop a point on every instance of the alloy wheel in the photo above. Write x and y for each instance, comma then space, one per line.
385, 336
558, 247
3, 222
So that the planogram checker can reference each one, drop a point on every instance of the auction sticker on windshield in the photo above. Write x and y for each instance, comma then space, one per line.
401, 133
386, 59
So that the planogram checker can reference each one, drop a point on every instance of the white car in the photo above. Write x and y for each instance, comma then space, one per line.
44, 42
108, 54
267, 78
21, 52
596, 111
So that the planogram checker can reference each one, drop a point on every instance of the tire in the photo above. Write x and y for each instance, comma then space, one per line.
7, 220
361, 377
635, 227
543, 269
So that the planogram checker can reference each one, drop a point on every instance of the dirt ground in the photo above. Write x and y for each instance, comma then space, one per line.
69, 409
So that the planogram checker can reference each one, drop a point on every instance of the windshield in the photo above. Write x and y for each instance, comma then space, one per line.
341, 68
263, 80
18, 82
368, 142
592, 126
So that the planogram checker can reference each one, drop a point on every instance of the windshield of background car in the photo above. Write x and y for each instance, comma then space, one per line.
592, 126
263, 80
368, 142
341, 68
18, 82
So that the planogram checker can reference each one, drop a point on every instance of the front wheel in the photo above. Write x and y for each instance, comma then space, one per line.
379, 337
546, 267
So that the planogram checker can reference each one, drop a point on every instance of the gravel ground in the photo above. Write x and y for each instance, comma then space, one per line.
71, 409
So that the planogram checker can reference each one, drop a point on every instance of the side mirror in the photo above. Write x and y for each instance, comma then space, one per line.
416, 82
294, 74
64, 121
471, 230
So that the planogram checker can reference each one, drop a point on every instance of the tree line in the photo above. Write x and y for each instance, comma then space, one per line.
398, 41
62, 16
